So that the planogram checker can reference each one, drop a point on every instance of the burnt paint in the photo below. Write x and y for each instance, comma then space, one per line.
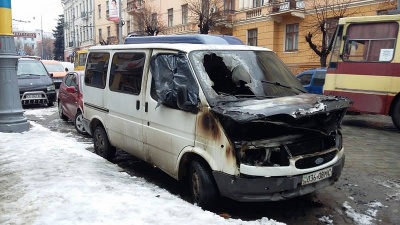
210, 128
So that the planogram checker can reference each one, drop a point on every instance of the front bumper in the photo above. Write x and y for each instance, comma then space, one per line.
259, 189
38, 97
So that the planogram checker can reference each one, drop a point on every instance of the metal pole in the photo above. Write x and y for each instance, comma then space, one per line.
41, 33
119, 21
12, 117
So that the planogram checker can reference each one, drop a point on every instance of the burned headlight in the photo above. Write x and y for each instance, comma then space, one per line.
339, 140
269, 156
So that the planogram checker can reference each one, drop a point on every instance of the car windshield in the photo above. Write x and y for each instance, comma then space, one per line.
54, 67
244, 74
31, 67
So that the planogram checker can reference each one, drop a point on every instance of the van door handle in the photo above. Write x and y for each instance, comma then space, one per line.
146, 107
137, 104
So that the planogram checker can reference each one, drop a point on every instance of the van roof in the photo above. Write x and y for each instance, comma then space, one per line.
178, 47
188, 38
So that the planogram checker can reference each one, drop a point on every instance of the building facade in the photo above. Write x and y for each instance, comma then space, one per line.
280, 25
78, 26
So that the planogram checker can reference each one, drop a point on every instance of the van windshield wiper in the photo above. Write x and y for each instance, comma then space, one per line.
281, 85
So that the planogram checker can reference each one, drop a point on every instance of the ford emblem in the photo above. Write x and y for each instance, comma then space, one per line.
319, 161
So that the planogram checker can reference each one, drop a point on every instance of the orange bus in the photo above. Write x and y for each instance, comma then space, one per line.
365, 65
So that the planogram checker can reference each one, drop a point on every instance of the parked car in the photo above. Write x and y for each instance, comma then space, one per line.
68, 66
35, 84
313, 80
57, 69
225, 119
70, 104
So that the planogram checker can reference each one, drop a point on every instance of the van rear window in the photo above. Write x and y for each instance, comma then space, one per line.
96, 69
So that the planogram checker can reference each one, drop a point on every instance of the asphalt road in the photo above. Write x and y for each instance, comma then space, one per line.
368, 191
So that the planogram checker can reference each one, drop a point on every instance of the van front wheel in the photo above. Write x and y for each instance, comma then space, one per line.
102, 146
203, 189
396, 114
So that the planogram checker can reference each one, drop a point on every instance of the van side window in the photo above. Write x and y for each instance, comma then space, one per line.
169, 72
96, 69
127, 72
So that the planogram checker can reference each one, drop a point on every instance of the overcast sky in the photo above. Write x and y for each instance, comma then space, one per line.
29, 10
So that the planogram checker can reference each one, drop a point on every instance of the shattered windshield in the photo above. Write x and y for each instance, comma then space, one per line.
229, 75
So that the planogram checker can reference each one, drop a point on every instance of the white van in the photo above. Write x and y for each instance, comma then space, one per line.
230, 120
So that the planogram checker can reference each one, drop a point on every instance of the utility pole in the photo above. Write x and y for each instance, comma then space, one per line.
41, 33
120, 21
12, 119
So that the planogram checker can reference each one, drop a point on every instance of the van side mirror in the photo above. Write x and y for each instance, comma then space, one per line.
183, 101
51, 75
66, 69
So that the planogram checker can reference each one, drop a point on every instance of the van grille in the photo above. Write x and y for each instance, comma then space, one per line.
310, 162
311, 146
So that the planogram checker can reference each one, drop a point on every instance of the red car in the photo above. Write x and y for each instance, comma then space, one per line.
70, 99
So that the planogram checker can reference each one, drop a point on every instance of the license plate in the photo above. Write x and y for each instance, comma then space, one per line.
34, 96
317, 176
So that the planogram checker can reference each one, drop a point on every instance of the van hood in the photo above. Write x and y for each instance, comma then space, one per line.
286, 110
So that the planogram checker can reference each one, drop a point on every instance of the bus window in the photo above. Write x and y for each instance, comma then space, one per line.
368, 42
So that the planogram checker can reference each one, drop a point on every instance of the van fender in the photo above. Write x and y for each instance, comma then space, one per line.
189, 153
94, 121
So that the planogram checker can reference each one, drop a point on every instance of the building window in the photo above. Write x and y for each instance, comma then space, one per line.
258, 3
292, 37
128, 26
184, 14
108, 32
154, 20
107, 10
229, 4
252, 37
170, 17
99, 10
100, 35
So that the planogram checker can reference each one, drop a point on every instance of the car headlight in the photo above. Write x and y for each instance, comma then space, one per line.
51, 88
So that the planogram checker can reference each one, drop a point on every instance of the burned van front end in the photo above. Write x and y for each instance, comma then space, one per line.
284, 147
284, 142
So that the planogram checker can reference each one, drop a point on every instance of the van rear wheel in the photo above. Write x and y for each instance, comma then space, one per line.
102, 146
203, 189
396, 114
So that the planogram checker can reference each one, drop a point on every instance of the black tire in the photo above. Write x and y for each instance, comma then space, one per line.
203, 190
61, 113
396, 114
78, 123
102, 145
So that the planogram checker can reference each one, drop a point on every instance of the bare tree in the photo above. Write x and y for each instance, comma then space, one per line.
149, 21
205, 12
324, 21
28, 50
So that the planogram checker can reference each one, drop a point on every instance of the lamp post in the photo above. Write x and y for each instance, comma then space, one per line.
12, 117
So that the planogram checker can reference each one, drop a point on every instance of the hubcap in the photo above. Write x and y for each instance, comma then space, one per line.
79, 124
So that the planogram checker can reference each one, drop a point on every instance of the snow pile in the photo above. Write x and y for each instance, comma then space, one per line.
41, 112
363, 219
49, 178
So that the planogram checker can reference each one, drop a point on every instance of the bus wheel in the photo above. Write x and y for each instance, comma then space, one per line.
396, 114
102, 146
203, 189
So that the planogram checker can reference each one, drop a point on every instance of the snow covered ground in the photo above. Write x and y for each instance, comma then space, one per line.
50, 178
